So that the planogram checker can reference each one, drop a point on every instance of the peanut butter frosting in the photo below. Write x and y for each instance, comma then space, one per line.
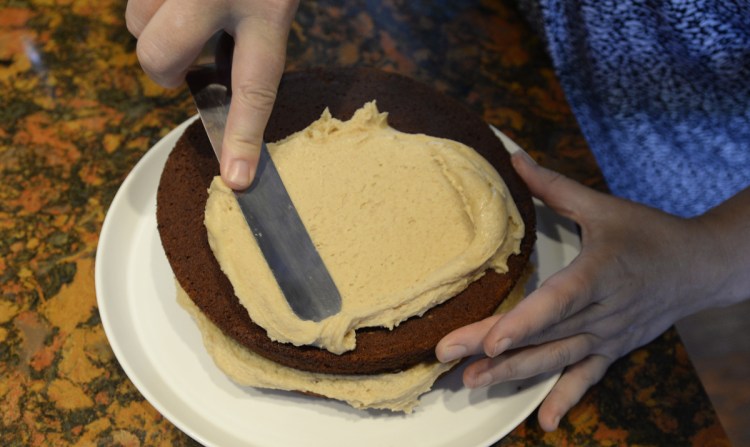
402, 221
396, 391
399, 391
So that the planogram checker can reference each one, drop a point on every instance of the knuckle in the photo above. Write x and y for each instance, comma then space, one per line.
562, 399
243, 145
543, 335
554, 177
611, 328
564, 304
156, 64
559, 356
507, 369
151, 57
135, 18
594, 373
571, 295
256, 97
133, 24
612, 349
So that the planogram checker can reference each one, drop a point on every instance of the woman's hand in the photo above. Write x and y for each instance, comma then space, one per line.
639, 270
171, 34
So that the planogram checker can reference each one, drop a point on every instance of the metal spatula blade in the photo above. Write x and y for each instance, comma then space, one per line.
271, 216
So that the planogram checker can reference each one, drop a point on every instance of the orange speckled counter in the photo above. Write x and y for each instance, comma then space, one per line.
77, 113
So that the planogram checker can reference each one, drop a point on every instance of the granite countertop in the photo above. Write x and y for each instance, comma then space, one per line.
77, 113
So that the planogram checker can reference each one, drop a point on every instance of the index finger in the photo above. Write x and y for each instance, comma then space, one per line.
559, 297
257, 66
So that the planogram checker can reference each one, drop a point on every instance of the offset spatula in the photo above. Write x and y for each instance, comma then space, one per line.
268, 210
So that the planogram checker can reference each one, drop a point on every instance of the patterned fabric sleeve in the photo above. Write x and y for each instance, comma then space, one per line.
661, 90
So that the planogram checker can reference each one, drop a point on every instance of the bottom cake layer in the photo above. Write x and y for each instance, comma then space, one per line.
397, 391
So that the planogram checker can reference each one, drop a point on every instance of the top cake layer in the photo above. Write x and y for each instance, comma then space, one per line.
403, 222
302, 97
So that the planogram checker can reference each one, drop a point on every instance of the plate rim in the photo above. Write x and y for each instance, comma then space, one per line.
162, 149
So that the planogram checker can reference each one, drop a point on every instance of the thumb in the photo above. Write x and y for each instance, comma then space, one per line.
258, 63
564, 195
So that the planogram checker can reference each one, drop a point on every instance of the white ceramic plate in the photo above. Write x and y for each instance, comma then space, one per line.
161, 350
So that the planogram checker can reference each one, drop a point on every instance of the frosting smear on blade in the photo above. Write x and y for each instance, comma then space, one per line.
402, 221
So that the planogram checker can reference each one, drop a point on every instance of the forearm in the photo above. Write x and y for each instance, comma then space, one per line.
728, 227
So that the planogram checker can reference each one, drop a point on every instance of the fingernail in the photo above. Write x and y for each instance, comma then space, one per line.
556, 422
239, 173
482, 379
522, 154
451, 353
501, 347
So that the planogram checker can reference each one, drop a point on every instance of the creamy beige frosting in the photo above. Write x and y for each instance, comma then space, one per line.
402, 221
396, 392
399, 391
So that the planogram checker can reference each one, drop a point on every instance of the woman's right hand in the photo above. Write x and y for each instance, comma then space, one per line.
171, 34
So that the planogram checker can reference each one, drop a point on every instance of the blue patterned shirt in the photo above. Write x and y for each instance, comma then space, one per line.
661, 90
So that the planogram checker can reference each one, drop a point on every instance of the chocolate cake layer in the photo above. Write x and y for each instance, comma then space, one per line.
302, 97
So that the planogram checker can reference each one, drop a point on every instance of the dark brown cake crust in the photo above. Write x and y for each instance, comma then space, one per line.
302, 96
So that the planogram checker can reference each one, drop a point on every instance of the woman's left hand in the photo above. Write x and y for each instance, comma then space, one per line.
639, 270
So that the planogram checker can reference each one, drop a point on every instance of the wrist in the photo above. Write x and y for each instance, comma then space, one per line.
726, 254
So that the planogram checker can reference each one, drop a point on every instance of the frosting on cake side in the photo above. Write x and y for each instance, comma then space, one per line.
398, 391
395, 391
